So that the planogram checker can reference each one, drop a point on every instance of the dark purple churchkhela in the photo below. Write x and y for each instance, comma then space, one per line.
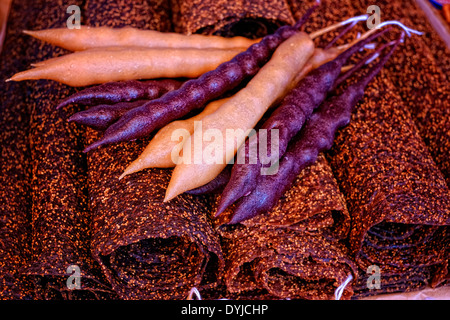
195, 93
121, 91
102, 116
116, 98
317, 136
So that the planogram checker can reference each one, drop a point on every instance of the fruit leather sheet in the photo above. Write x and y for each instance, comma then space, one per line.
15, 160
431, 37
396, 195
148, 249
426, 119
60, 235
252, 18
420, 71
422, 83
293, 251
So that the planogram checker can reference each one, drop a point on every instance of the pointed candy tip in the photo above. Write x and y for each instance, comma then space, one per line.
72, 118
132, 168
236, 219
170, 194
174, 189
167, 197
61, 104
224, 203
91, 147
219, 211
22, 75
99, 143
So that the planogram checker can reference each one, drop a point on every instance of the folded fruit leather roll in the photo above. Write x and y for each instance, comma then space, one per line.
15, 160
60, 217
251, 18
420, 71
293, 251
422, 85
396, 195
288, 264
415, 72
148, 249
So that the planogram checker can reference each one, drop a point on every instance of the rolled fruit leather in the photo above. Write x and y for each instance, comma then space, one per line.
422, 84
293, 251
396, 195
61, 221
15, 158
393, 71
147, 249
421, 74
415, 14
248, 18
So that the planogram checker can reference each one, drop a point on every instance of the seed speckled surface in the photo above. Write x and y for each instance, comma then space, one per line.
251, 18
15, 163
385, 171
384, 162
293, 251
60, 215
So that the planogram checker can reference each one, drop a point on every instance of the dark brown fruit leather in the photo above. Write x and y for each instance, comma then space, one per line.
61, 221
249, 18
15, 161
293, 251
